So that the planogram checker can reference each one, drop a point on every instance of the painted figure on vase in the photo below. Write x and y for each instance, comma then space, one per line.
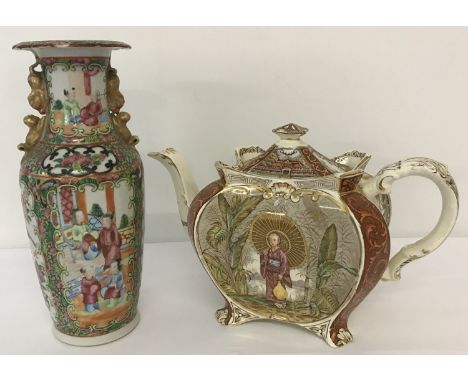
274, 269
89, 288
100, 243
71, 107
110, 240
82, 167
90, 113
90, 247
80, 228
112, 291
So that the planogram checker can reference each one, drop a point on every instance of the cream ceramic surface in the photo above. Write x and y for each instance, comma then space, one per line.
289, 193
404, 109
81, 183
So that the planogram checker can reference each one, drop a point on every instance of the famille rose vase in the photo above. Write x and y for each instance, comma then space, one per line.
290, 235
81, 180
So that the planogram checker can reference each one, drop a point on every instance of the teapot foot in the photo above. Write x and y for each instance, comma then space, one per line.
232, 314
343, 337
335, 339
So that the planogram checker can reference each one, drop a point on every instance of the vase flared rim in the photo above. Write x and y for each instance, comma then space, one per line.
27, 45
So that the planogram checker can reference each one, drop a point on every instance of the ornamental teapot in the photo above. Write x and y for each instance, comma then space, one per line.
291, 235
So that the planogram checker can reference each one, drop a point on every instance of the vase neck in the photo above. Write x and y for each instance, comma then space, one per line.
78, 90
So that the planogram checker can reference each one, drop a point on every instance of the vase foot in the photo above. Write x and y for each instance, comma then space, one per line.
98, 340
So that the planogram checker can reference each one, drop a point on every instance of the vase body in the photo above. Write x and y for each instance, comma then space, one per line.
81, 180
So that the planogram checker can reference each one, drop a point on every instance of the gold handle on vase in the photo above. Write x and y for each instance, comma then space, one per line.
38, 99
115, 101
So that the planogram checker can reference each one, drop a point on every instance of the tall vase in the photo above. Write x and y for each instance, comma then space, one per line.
81, 180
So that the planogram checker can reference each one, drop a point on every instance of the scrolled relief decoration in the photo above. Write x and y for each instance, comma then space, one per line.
344, 337
244, 154
439, 174
232, 314
436, 168
387, 172
326, 182
319, 330
282, 189
350, 158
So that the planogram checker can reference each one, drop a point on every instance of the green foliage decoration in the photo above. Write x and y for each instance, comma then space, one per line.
230, 274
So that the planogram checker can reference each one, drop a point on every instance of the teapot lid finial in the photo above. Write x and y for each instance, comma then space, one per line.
290, 131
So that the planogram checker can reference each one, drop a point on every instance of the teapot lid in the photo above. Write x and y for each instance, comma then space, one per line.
290, 157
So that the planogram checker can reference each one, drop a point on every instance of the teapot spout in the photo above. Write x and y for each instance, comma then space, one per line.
184, 184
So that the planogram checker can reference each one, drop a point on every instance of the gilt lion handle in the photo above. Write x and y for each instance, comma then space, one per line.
115, 101
38, 98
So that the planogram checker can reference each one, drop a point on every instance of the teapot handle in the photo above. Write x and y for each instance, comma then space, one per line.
439, 174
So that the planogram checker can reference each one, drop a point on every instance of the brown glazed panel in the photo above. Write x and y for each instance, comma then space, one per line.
349, 184
377, 250
198, 202
200, 199
318, 167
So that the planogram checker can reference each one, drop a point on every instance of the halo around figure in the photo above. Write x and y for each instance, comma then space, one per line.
291, 238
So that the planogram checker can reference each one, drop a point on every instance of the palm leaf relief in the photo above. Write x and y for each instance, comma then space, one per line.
327, 254
325, 300
224, 209
235, 252
244, 208
329, 244
233, 280
236, 199
219, 273
215, 235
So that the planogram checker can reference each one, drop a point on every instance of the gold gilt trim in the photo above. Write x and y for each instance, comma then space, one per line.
38, 98
292, 240
115, 101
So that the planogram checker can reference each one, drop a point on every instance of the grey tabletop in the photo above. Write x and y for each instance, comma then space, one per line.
424, 313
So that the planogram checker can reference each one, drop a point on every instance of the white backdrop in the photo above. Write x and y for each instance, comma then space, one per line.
392, 92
